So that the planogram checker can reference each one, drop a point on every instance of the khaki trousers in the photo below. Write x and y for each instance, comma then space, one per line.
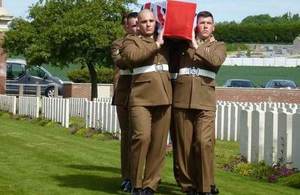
123, 117
150, 127
195, 142
174, 147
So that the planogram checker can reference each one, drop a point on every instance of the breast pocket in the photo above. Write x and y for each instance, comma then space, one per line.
206, 92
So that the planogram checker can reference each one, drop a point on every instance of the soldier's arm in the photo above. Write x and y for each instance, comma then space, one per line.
135, 51
214, 55
116, 77
116, 55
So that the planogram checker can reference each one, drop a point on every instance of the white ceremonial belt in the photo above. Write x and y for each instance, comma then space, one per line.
125, 72
151, 68
174, 76
197, 72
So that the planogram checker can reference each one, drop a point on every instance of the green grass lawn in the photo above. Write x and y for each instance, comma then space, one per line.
41, 160
259, 75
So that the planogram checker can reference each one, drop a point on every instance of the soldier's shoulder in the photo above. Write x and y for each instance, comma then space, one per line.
218, 44
131, 37
118, 41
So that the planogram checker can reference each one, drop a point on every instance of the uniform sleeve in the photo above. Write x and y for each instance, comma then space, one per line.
136, 50
214, 55
116, 77
116, 55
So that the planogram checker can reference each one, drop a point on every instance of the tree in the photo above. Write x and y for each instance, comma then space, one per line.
61, 32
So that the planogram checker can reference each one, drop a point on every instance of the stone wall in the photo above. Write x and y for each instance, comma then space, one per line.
258, 95
83, 90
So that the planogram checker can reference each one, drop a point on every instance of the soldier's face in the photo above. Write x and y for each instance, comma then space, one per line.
132, 26
205, 27
146, 24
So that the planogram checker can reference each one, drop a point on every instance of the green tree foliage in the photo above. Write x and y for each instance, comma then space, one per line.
260, 29
62, 32
104, 75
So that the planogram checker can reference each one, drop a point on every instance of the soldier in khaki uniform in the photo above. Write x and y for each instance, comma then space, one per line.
149, 103
122, 83
194, 105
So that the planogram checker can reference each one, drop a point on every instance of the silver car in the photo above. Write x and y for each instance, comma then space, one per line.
238, 83
280, 83
18, 73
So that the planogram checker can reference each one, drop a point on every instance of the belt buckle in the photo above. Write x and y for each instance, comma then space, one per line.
159, 67
194, 71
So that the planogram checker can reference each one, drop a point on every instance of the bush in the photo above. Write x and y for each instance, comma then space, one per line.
239, 165
104, 75
292, 181
236, 47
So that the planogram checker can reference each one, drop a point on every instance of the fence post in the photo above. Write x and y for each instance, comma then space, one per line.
14, 105
21, 89
295, 140
38, 90
67, 115
245, 134
55, 91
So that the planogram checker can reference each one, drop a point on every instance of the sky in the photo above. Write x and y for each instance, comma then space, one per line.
223, 10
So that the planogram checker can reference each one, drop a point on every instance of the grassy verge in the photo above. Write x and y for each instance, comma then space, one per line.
42, 158
259, 75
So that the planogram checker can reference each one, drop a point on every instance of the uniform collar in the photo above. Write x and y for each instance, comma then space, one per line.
148, 39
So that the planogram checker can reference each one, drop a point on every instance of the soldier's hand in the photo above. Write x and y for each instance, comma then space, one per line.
193, 42
160, 38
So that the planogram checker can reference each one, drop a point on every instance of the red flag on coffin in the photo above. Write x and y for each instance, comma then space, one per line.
180, 17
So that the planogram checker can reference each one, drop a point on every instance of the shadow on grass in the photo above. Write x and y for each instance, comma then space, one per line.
108, 185
169, 188
96, 168
90, 182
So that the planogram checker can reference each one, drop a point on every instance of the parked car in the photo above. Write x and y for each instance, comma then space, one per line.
30, 76
279, 83
238, 83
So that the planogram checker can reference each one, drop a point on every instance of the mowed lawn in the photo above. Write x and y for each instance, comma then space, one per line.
258, 75
41, 160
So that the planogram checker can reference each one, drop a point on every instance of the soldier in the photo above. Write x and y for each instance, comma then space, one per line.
194, 105
121, 94
149, 103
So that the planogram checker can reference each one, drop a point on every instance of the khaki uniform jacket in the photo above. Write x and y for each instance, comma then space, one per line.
147, 89
198, 92
122, 83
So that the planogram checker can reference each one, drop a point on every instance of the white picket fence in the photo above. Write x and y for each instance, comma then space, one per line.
98, 114
102, 115
29, 106
266, 131
57, 110
8, 104
78, 107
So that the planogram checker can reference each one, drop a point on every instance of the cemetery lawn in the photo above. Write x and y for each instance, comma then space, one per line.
36, 159
259, 75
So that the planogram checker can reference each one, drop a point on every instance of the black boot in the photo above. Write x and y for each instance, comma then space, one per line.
214, 189
128, 187
123, 184
137, 191
148, 191
192, 192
